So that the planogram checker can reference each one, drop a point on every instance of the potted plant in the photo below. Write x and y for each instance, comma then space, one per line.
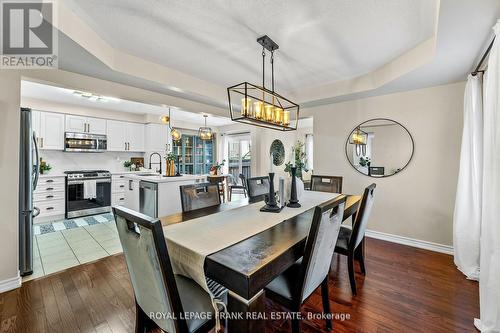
170, 169
300, 159
44, 166
128, 165
214, 169
364, 161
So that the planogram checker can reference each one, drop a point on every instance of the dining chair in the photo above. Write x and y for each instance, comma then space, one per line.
236, 186
351, 240
157, 290
197, 196
219, 180
332, 184
258, 188
293, 287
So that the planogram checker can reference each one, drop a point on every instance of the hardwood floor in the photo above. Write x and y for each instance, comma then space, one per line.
405, 290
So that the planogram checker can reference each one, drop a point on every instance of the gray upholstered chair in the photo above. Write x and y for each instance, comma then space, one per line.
332, 184
351, 240
197, 196
156, 288
292, 288
235, 186
258, 188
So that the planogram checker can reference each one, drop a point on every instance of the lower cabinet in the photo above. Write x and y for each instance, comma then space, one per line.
132, 194
118, 186
49, 198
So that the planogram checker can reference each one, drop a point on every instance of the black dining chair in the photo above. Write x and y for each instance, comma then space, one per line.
293, 287
258, 188
332, 184
156, 288
236, 186
351, 240
197, 196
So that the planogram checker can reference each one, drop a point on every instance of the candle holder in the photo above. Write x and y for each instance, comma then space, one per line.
294, 202
178, 173
271, 205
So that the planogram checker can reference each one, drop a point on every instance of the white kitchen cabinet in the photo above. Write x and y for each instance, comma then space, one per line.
156, 137
35, 122
96, 125
51, 131
85, 124
132, 194
135, 137
124, 136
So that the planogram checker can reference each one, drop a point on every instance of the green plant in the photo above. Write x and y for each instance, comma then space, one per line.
44, 166
217, 166
300, 159
171, 157
127, 164
363, 161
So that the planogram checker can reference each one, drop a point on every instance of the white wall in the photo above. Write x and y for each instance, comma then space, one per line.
418, 202
10, 85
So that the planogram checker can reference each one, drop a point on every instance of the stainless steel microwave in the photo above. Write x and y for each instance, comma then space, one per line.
82, 142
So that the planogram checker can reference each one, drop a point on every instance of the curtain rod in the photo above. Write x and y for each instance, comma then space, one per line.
476, 71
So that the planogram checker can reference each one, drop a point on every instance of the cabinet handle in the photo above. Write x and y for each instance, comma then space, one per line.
121, 199
50, 208
49, 189
49, 196
41, 142
122, 176
88, 128
130, 185
122, 186
49, 181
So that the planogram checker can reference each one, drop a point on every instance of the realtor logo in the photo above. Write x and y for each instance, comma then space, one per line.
28, 38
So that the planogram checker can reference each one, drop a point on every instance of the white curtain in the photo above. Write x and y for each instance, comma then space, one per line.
467, 216
489, 276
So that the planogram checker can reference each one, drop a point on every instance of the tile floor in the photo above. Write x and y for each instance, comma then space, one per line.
60, 249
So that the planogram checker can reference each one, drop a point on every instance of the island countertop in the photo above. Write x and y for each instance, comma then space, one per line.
163, 179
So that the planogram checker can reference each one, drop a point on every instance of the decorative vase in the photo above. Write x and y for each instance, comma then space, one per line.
170, 168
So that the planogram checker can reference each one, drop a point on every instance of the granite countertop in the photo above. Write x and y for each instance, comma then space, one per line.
163, 179
62, 174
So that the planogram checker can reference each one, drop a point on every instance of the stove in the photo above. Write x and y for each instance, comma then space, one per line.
88, 174
88, 192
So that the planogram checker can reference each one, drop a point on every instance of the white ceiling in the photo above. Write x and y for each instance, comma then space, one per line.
66, 96
321, 42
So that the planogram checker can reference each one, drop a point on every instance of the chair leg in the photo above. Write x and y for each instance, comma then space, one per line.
326, 303
360, 255
230, 194
352, 279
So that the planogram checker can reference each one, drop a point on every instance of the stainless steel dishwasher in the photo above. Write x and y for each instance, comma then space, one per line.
148, 198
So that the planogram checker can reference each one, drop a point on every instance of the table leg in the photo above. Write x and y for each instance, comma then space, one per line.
251, 313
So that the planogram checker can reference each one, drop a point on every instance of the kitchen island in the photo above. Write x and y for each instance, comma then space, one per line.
155, 195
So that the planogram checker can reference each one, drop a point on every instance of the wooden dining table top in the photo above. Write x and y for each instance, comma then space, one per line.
248, 266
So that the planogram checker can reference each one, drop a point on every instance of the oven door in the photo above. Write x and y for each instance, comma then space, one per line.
81, 201
81, 142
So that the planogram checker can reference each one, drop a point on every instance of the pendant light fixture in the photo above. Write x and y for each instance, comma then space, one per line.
359, 138
205, 133
257, 105
174, 133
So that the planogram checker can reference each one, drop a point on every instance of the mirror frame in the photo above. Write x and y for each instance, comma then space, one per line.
361, 124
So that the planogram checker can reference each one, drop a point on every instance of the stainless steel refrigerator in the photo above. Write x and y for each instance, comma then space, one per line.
29, 168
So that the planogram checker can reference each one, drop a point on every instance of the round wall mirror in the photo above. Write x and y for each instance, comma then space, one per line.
379, 147
278, 150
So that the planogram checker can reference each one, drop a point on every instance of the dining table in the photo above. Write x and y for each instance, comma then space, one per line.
247, 266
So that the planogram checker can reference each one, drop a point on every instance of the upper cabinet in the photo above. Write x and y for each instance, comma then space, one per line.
49, 129
124, 136
157, 137
85, 124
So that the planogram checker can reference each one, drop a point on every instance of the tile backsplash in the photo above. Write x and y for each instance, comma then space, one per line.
66, 161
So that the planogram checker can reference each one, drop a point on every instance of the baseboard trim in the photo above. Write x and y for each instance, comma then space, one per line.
421, 244
10, 284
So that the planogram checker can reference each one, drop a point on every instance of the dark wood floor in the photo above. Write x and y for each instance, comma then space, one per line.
405, 290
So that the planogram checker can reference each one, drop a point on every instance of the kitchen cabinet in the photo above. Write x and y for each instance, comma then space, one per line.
118, 190
51, 130
85, 124
157, 137
49, 198
196, 156
135, 137
132, 194
124, 136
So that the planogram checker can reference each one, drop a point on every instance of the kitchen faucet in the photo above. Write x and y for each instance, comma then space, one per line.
155, 163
